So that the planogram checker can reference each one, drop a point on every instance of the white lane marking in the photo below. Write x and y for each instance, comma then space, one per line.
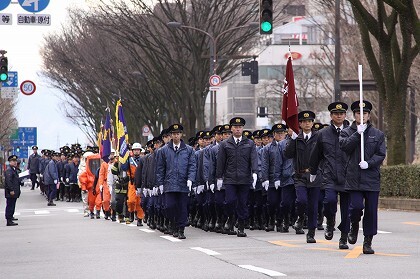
171, 238
132, 225
147, 230
206, 251
17, 213
268, 272
38, 212
72, 210
384, 232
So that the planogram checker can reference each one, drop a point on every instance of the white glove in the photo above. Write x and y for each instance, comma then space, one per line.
211, 188
154, 191
195, 190
361, 128
312, 178
363, 165
294, 135
149, 192
101, 187
219, 184
277, 184
67, 180
61, 179
55, 181
254, 182
145, 192
138, 192
41, 176
265, 184
38, 176
189, 185
161, 189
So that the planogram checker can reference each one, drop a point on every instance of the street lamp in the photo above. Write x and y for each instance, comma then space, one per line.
213, 56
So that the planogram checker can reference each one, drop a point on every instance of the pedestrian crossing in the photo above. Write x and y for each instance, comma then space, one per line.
32, 212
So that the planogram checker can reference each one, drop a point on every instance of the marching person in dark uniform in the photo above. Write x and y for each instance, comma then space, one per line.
51, 178
299, 148
328, 156
237, 169
11, 190
43, 161
33, 166
175, 170
363, 177
71, 177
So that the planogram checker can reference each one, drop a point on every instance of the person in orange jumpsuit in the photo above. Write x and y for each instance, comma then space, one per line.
134, 197
87, 180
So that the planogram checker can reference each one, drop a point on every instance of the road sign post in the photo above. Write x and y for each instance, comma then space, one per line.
27, 87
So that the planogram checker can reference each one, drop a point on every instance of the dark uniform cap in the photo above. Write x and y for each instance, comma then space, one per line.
174, 128
247, 133
157, 139
264, 133
216, 130
279, 127
199, 134
317, 126
206, 135
191, 141
12, 158
327, 125
306, 115
34, 147
225, 128
237, 121
256, 134
367, 106
149, 143
338, 107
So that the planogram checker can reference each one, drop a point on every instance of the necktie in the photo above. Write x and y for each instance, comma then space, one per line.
237, 141
306, 138
338, 131
176, 148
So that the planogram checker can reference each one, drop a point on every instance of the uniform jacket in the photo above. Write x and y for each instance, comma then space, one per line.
237, 162
33, 163
149, 173
212, 165
271, 166
287, 170
11, 182
300, 151
199, 160
61, 170
173, 169
71, 172
51, 173
328, 156
138, 175
43, 162
207, 162
375, 151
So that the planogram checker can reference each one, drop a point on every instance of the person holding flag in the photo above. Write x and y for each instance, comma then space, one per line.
363, 172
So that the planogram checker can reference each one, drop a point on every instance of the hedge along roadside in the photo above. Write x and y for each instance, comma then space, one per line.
400, 181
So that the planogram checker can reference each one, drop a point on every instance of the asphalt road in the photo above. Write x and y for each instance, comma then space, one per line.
58, 242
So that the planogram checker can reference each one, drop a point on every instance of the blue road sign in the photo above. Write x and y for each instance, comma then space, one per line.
26, 137
22, 153
34, 6
4, 4
12, 81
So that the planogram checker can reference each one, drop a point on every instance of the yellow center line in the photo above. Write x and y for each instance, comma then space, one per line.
392, 255
412, 223
355, 253
285, 244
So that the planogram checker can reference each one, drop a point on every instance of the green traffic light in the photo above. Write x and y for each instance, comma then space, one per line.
266, 26
3, 77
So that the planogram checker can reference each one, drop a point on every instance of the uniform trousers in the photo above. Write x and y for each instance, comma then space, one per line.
176, 207
10, 208
52, 191
368, 201
219, 201
273, 201
209, 205
255, 203
288, 197
307, 202
330, 207
33, 178
236, 198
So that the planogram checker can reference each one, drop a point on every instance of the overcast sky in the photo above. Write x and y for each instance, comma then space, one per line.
42, 109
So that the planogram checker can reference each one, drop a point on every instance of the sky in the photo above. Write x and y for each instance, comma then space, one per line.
42, 109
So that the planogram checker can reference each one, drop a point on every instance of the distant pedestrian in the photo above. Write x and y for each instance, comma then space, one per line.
33, 166
11, 190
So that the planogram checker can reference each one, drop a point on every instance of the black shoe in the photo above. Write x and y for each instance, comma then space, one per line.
298, 226
354, 231
139, 223
240, 232
92, 216
98, 214
329, 233
342, 243
367, 245
114, 218
310, 236
32, 188
181, 234
51, 204
14, 219
11, 223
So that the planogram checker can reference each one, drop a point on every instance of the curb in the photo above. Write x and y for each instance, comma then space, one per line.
399, 204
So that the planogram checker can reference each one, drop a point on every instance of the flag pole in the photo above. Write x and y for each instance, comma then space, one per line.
362, 138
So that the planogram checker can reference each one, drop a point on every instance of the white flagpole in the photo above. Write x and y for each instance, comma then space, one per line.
362, 138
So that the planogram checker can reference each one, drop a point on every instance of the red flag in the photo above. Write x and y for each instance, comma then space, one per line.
289, 110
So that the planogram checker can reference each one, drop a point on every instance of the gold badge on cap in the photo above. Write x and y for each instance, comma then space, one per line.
175, 126
238, 120
338, 106
306, 115
278, 126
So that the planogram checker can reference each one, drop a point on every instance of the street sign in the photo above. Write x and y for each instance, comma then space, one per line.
6, 19
12, 81
146, 131
9, 92
23, 152
214, 88
34, 6
215, 80
27, 136
34, 20
27, 87
4, 4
